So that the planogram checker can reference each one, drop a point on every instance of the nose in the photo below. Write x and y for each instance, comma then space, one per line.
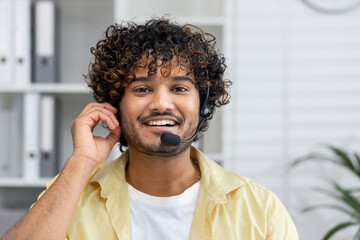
162, 100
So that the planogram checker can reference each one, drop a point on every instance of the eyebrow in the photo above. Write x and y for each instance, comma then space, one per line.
183, 78
174, 78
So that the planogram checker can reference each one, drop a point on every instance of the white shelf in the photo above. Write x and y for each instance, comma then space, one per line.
46, 88
20, 182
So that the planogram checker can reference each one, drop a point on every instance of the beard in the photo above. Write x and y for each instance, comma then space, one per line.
155, 148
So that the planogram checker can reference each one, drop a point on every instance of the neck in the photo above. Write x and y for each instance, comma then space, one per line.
158, 176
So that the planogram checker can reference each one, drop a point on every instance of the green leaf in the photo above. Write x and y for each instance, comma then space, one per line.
344, 158
341, 158
347, 198
337, 228
313, 157
327, 192
357, 157
342, 196
334, 207
354, 190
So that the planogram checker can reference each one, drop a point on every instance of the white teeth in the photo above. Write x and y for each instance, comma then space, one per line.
161, 123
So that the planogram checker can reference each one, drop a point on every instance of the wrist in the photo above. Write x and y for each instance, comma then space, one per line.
80, 165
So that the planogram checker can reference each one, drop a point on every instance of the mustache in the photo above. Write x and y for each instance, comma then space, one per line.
156, 114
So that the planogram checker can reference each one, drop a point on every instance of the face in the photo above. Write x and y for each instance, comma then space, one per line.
152, 105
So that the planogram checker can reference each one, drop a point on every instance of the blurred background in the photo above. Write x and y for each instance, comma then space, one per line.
295, 68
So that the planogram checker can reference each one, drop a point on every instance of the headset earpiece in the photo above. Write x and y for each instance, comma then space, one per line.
205, 112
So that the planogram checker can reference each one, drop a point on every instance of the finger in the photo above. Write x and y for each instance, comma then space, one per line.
109, 119
93, 118
105, 112
94, 126
110, 107
114, 136
91, 106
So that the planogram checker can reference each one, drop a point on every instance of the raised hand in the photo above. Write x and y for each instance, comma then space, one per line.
88, 147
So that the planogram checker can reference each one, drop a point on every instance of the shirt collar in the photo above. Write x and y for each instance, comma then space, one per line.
111, 175
215, 180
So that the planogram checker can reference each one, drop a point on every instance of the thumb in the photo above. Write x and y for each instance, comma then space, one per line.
114, 136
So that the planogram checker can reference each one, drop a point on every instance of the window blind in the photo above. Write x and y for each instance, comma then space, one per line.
296, 75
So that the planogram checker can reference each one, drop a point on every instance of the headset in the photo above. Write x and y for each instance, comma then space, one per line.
205, 114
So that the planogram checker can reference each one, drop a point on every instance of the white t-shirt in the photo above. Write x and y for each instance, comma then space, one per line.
167, 218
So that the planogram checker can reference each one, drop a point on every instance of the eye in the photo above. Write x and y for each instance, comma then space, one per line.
142, 90
180, 89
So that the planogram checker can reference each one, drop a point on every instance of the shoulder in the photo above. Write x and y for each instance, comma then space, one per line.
241, 197
258, 206
259, 202
252, 189
221, 183
253, 195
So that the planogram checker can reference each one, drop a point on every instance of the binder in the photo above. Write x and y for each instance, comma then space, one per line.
22, 41
10, 137
15, 137
6, 47
48, 128
5, 130
31, 128
45, 62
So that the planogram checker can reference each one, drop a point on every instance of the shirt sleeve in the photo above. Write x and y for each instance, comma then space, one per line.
281, 226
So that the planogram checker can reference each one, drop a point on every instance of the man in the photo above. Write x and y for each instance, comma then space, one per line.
155, 85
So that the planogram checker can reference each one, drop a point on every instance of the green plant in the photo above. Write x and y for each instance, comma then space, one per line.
347, 200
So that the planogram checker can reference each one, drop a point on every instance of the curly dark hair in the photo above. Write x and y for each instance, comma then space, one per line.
154, 44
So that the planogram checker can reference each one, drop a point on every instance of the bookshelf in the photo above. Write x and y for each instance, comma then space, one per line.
23, 183
80, 24
56, 88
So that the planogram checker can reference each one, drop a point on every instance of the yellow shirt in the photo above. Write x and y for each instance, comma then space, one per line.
229, 206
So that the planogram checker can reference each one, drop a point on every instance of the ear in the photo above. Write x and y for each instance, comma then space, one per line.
205, 112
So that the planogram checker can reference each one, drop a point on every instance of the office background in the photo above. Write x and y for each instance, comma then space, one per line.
296, 85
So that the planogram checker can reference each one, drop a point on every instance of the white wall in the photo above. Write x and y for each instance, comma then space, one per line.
296, 75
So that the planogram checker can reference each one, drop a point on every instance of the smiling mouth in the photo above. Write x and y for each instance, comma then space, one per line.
161, 123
